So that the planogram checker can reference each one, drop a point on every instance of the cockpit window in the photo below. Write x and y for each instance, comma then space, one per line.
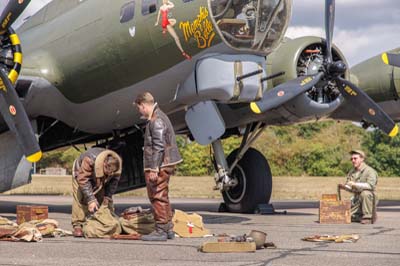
256, 25
149, 6
127, 12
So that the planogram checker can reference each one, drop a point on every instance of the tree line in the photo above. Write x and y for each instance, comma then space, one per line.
312, 149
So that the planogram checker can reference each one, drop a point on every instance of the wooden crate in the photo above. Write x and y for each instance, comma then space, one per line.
329, 197
26, 213
334, 212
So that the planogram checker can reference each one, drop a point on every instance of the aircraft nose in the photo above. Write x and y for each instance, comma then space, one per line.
251, 26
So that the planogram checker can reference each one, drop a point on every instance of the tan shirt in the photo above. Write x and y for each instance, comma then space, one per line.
365, 174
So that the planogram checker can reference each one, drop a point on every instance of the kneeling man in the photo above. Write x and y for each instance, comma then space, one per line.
95, 177
362, 180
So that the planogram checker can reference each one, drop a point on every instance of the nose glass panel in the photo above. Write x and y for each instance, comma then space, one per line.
252, 25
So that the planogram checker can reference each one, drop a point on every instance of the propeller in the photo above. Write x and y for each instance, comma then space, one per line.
369, 109
285, 92
10, 106
331, 71
391, 59
329, 24
11, 12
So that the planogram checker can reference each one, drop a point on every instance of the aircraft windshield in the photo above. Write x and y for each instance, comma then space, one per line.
256, 25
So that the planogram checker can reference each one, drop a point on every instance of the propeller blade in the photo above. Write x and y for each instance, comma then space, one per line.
11, 12
329, 24
370, 110
17, 120
391, 59
284, 92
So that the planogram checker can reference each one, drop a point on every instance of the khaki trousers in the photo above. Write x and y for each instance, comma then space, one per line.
362, 205
158, 195
79, 205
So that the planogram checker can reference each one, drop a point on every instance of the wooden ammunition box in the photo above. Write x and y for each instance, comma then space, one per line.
329, 197
334, 212
26, 213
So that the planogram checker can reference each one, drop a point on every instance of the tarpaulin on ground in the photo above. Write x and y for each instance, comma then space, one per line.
32, 231
103, 223
136, 220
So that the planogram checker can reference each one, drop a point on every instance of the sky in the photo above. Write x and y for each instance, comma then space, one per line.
363, 28
31, 9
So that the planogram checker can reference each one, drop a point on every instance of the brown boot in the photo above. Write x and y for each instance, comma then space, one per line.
374, 216
77, 231
170, 230
159, 234
366, 221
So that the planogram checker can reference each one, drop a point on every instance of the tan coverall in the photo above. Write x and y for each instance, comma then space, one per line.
362, 202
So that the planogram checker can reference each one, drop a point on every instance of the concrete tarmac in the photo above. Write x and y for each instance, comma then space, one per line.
379, 244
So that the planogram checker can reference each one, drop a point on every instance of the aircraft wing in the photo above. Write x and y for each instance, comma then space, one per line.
379, 80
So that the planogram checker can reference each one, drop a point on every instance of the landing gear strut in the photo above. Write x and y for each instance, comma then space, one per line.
248, 180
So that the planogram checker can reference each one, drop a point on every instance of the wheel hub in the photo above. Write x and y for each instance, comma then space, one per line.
236, 193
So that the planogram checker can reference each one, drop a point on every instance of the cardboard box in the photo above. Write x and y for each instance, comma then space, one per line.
334, 212
26, 213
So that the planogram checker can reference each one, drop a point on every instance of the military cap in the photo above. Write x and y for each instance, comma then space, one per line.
360, 152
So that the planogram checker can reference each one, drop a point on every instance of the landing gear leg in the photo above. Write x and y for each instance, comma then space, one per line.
248, 180
222, 179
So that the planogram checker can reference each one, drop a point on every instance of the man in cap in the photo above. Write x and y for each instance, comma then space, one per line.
95, 177
361, 180
160, 156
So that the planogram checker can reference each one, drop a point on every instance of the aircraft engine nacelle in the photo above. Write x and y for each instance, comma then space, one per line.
380, 81
255, 26
304, 56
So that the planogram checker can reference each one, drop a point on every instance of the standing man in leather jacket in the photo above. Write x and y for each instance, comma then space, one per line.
95, 177
160, 156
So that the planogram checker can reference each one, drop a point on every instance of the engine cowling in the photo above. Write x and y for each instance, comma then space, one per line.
380, 81
304, 56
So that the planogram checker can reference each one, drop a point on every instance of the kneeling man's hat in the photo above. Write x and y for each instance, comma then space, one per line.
360, 152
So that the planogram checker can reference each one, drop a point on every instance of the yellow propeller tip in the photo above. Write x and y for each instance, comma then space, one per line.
254, 108
394, 131
34, 157
385, 58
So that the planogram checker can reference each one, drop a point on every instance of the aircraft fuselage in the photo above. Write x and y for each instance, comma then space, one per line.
86, 52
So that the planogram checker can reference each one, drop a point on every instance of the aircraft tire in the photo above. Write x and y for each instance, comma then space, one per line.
255, 182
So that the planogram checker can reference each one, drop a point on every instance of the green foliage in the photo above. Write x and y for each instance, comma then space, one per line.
283, 133
309, 130
197, 158
323, 161
315, 149
383, 153
59, 158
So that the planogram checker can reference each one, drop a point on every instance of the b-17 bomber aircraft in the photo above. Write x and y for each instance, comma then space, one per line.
218, 68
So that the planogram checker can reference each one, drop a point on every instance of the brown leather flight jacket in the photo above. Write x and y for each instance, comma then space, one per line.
160, 149
88, 172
